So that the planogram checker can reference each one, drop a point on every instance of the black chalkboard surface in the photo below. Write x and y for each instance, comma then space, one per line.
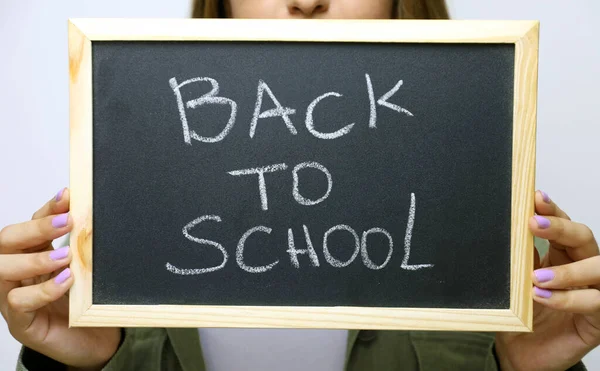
302, 174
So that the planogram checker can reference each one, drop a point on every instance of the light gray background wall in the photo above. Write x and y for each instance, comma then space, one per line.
34, 131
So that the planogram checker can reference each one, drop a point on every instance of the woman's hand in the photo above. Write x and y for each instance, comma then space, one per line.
34, 280
566, 313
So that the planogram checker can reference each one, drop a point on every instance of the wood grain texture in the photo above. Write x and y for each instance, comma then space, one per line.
524, 34
301, 317
80, 110
523, 179
409, 31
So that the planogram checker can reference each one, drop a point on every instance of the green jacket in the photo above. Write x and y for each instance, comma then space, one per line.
159, 349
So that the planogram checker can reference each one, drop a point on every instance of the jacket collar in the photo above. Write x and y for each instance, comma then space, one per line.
352, 336
184, 340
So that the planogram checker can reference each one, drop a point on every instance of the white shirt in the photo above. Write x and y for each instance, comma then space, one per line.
273, 349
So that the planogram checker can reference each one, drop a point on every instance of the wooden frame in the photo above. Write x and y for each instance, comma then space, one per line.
523, 34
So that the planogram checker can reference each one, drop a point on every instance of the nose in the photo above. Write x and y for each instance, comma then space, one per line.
307, 8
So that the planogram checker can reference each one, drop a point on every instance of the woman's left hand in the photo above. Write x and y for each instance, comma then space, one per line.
566, 294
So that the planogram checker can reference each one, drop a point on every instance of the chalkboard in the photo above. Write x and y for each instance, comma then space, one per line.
302, 174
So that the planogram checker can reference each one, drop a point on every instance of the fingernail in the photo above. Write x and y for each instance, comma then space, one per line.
60, 221
542, 222
542, 293
62, 276
59, 195
544, 275
61, 253
545, 197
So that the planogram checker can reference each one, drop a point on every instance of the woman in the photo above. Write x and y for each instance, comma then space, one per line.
566, 321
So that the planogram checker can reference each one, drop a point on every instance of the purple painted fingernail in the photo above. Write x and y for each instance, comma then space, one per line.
62, 276
60, 221
61, 253
544, 275
542, 293
542, 222
545, 197
59, 195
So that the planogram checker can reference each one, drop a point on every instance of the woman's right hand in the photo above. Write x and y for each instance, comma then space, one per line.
34, 281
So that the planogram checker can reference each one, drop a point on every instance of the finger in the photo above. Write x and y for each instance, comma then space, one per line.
584, 301
17, 237
565, 233
27, 299
58, 204
545, 206
17, 267
585, 272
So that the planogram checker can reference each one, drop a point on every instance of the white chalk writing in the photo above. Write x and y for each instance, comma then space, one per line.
208, 98
186, 233
278, 111
262, 185
239, 255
